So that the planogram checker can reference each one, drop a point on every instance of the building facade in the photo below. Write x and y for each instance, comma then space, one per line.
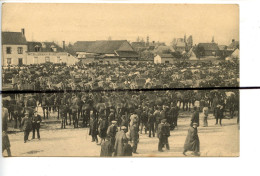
48, 52
14, 48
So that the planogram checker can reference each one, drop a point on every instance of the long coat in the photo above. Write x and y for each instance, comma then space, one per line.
103, 125
27, 123
106, 149
121, 142
192, 142
195, 118
93, 126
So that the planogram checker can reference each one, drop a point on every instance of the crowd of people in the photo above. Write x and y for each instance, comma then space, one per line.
114, 100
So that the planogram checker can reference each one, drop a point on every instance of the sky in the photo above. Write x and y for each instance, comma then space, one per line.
88, 22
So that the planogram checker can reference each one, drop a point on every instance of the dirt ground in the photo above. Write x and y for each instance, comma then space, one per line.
215, 140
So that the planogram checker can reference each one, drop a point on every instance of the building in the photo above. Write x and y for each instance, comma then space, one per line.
164, 59
14, 48
182, 45
233, 46
109, 51
48, 52
209, 49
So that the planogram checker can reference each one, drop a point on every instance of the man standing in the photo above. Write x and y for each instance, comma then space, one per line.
205, 112
36, 120
151, 122
93, 128
162, 135
103, 125
111, 132
157, 116
27, 123
195, 117
134, 135
5, 139
120, 142
219, 114
192, 142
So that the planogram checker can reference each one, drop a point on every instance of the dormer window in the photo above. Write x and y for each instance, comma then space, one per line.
53, 48
37, 48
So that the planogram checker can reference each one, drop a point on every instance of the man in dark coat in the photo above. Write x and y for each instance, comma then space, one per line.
163, 135
27, 123
192, 142
102, 128
111, 132
219, 114
195, 117
36, 120
151, 122
93, 128
134, 135
121, 142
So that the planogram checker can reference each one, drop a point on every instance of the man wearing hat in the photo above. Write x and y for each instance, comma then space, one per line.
111, 132
163, 135
192, 142
27, 123
36, 120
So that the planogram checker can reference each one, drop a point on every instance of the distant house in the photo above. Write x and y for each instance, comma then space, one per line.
164, 59
14, 48
233, 46
163, 50
139, 46
106, 50
223, 51
48, 52
180, 46
210, 49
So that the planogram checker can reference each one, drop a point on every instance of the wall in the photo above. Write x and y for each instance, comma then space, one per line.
14, 55
59, 57
157, 59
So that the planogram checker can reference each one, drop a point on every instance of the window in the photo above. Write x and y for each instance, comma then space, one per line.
20, 50
9, 61
8, 50
167, 62
47, 59
37, 48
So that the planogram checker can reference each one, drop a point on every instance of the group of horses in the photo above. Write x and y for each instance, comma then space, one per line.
73, 106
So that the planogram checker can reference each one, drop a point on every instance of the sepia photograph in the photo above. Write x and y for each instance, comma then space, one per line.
120, 80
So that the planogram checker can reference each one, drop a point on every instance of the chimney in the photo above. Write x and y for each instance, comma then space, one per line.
233, 40
63, 45
23, 32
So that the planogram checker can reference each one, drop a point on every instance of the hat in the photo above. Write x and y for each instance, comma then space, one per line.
114, 122
123, 128
164, 120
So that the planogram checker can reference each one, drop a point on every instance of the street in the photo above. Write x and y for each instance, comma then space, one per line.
215, 140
